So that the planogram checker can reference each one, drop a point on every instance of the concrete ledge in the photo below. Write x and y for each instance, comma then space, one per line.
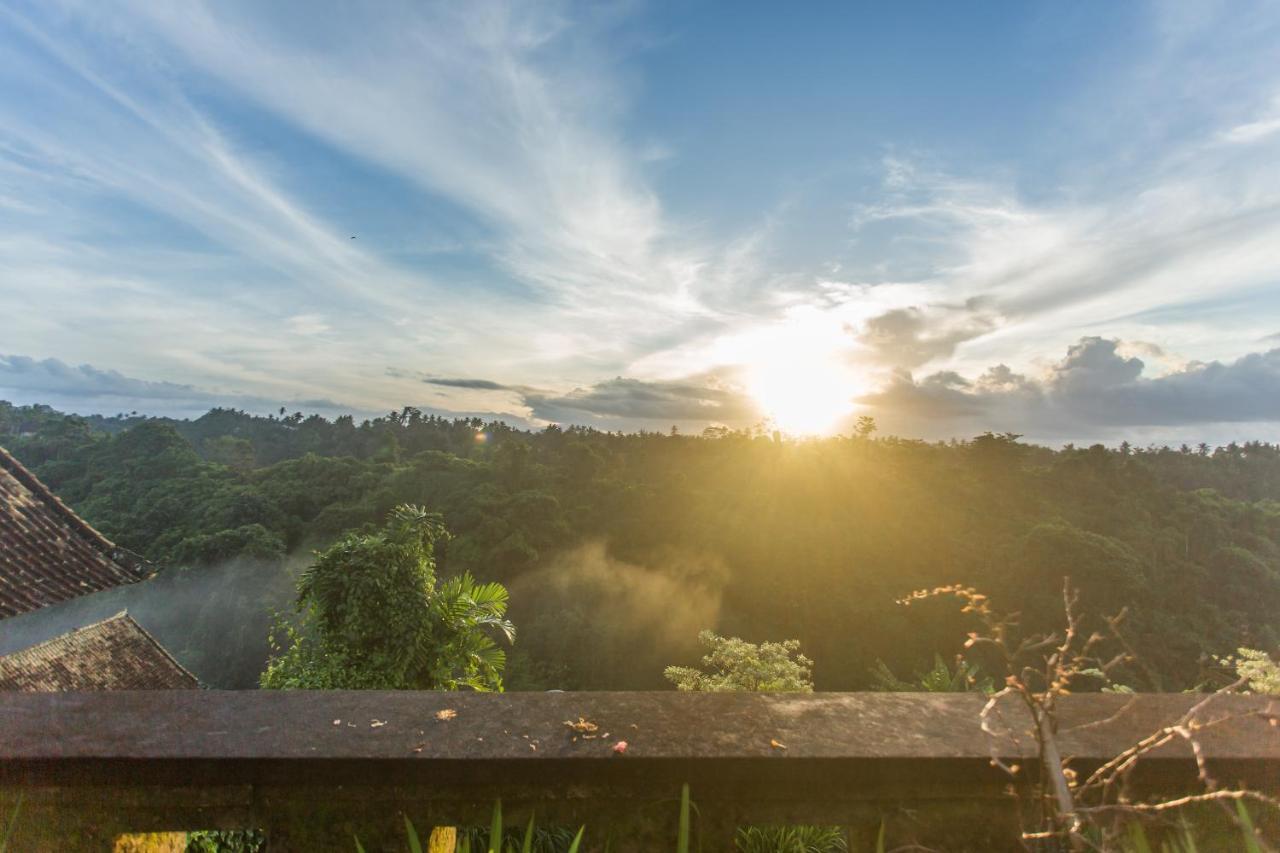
300, 725
99, 762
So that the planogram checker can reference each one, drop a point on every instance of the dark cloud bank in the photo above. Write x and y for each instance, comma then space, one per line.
628, 404
90, 390
1094, 390
910, 337
1094, 393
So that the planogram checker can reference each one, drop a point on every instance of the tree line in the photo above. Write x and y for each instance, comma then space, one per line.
618, 548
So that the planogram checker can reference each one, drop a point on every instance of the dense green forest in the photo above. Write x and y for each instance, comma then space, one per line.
619, 548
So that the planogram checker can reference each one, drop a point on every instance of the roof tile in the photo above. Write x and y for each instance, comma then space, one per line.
47, 552
114, 654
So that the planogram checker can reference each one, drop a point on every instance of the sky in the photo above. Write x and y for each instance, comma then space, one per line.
1060, 220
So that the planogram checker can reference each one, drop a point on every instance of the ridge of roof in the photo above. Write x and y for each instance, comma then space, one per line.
23, 475
124, 615
112, 654
53, 554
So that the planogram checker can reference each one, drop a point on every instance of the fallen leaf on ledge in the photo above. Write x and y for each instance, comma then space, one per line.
582, 726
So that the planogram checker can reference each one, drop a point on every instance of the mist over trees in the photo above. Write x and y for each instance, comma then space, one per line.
618, 549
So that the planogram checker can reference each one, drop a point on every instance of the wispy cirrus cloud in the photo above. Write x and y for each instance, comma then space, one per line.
473, 108
283, 200
504, 109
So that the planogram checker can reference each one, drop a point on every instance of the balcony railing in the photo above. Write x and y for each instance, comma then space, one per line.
311, 768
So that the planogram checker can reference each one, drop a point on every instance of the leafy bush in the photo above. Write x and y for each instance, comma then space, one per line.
374, 617
964, 678
227, 841
791, 839
735, 665
1261, 673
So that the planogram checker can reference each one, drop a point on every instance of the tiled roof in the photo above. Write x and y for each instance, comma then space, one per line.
114, 654
47, 552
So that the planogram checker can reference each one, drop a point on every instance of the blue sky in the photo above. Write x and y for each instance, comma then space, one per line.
1055, 219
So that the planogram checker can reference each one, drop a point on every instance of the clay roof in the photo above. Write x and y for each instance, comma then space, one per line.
114, 654
47, 552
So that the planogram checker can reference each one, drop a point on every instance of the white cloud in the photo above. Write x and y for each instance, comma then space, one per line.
472, 102
512, 117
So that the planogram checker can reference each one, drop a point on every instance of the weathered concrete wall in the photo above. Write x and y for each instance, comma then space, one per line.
312, 768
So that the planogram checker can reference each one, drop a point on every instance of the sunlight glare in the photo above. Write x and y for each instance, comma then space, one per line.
798, 372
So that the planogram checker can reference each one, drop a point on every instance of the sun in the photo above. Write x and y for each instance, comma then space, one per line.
801, 396
800, 376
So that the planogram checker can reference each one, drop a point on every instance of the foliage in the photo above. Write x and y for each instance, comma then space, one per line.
11, 822
533, 839
226, 841
1183, 837
374, 617
735, 664
791, 839
682, 827
808, 539
1259, 671
965, 677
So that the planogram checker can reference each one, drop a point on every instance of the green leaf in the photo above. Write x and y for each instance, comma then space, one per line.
577, 839
1246, 826
1138, 838
1188, 839
880, 838
682, 832
527, 847
495, 828
13, 820
359, 846
415, 846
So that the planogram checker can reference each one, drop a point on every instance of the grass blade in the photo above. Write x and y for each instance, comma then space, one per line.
359, 846
880, 838
1188, 838
1138, 838
527, 847
682, 834
495, 828
415, 846
577, 839
1246, 826
13, 821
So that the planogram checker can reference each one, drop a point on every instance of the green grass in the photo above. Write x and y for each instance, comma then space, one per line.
756, 839
415, 846
791, 839
527, 846
495, 828
682, 831
13, 820
1184, 839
